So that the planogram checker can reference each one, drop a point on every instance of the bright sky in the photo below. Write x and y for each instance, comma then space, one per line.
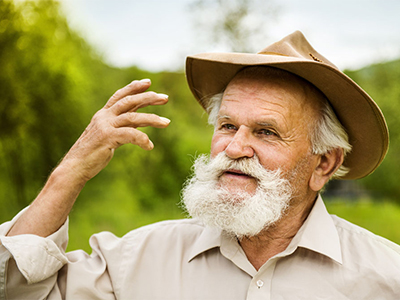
158, 34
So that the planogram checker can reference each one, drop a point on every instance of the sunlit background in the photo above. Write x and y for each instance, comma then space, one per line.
61, 60
157, 35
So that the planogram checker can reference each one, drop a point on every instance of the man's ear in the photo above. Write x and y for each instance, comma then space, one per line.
326, 167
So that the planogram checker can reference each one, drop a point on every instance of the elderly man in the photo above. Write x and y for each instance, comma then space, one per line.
286, 121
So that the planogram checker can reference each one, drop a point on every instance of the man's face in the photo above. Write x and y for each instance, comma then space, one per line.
261, 160
270, 118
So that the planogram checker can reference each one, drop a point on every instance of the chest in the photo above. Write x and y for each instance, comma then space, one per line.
212, 276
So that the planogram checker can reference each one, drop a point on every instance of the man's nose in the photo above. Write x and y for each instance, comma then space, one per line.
240, 146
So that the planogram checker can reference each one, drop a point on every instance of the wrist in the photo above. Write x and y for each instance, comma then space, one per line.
69, 172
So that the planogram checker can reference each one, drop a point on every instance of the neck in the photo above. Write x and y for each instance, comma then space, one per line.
275, 239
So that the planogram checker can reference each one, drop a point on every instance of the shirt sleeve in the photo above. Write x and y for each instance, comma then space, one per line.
33, 267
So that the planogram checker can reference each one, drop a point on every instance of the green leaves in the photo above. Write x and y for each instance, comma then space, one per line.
51, 83
41, 80
381, 82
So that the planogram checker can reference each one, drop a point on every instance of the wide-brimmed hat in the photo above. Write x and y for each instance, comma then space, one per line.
209, 74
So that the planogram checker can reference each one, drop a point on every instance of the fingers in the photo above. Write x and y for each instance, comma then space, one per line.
135, 87
113, 126
133, 96
118, 119
133, 103
133, 136
125, 128
135, 120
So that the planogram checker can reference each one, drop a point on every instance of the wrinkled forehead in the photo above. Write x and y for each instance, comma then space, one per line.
306, 93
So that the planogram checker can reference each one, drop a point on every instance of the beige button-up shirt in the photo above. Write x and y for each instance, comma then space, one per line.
329, 258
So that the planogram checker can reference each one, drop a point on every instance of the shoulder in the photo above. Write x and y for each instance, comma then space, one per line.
356, 235
156, 237
182, 226
171, 232
366, 252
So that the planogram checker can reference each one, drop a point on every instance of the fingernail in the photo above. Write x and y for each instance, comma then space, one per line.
163, 95
165, 120
146, 80
151, 145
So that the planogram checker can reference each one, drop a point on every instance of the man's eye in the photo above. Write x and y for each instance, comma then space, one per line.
228, 127
267, 132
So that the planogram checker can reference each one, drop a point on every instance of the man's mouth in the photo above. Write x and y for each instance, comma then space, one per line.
236, 173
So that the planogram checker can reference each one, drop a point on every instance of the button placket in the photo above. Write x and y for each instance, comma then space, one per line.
260, 283
260, 287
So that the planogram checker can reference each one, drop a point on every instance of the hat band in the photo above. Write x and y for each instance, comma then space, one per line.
272, 53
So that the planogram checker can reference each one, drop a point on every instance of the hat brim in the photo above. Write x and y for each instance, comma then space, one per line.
209, 74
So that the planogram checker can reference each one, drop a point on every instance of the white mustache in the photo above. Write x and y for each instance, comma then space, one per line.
250, 166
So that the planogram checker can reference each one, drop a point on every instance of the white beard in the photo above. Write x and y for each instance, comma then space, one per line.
238, 213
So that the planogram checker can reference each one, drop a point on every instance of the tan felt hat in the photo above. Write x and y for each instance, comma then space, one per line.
209, 73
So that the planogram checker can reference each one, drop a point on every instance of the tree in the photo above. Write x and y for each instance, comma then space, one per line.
51, 83
42, 79
381, 82
234, 25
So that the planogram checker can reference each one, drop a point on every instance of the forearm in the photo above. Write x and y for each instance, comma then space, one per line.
52, 206
114, 125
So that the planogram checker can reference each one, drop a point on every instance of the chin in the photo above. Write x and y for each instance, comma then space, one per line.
249, 188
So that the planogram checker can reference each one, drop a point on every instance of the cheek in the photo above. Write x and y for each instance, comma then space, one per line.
273, 158
218, 145
270, 160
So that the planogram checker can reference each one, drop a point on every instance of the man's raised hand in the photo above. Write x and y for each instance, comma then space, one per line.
115, 125
112, 126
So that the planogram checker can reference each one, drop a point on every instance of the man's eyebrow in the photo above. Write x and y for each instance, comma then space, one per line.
219, 117
267, 124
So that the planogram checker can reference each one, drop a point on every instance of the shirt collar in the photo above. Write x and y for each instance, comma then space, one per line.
210, 238
229, 247
318, 233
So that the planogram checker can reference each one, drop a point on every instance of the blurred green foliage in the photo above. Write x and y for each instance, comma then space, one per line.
51, 83
42, 85
381, 81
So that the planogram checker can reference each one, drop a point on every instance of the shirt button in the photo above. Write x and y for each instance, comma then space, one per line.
260, 283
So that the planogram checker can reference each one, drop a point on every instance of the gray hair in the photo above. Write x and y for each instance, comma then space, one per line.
326, 133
